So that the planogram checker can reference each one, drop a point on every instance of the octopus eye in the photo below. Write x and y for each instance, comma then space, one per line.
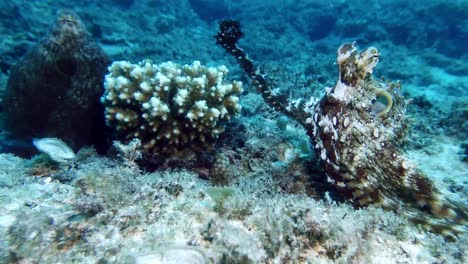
382, 103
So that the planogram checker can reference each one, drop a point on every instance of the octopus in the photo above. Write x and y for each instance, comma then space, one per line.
54, 89
358, 129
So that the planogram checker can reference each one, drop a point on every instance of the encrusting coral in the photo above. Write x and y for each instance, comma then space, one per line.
358, 129
170, 108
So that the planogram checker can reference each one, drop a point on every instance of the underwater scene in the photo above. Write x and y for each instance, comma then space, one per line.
221, 131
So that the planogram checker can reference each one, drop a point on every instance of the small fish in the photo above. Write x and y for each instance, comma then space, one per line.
55, 148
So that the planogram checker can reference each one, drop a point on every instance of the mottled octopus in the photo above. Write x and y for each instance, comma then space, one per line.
358, 129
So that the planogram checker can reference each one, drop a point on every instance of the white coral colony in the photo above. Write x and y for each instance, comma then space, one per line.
169, 107
55, 148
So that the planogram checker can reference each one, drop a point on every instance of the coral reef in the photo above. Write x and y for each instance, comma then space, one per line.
358, 129
276, 205
53, 91
170, 108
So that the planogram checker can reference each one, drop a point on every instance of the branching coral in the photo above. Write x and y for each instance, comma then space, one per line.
358, 128
170, 108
